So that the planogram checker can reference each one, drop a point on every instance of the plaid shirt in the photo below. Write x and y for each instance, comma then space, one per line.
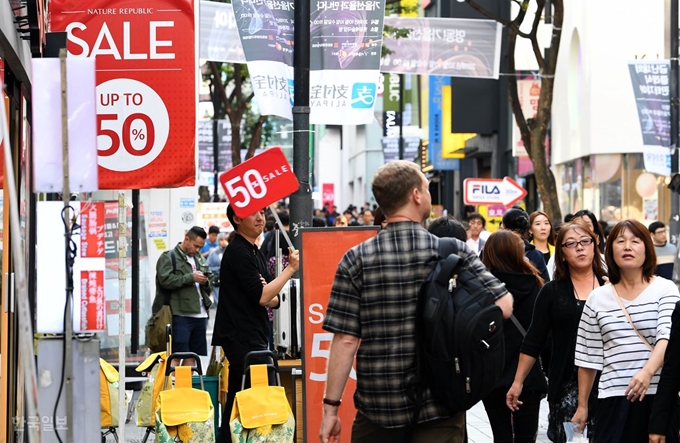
374, 297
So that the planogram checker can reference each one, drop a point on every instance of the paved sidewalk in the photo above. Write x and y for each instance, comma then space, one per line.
479, 430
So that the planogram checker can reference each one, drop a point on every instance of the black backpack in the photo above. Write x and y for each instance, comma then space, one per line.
459, 333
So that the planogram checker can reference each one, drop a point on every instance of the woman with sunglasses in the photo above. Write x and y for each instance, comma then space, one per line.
557, 312
624, 333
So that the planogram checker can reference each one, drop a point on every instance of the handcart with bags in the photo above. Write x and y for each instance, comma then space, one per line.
184, 414
261, 413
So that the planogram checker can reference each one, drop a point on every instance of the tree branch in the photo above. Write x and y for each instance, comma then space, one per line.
540, 5
217, 77
256, 136
487, 14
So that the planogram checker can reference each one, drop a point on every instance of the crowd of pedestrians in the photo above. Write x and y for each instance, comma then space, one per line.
592, 316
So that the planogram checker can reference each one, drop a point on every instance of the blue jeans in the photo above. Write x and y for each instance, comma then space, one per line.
189, 334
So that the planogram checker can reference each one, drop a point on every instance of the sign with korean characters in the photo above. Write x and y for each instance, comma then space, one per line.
345, 39
258, 182
651, 86
146, 94
323, 249
89, 268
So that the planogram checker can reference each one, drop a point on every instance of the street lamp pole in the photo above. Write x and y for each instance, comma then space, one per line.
301, 205
674, 224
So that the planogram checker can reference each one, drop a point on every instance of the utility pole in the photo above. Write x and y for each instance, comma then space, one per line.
674, 224
301, 201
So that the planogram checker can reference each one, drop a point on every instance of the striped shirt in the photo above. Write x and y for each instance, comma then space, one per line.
607, 342
374, 297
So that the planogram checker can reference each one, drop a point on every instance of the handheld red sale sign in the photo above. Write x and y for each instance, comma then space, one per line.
146, 94
258, 182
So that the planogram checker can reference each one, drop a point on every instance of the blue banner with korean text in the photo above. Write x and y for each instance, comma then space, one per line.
346, 39
435, 119
651, 86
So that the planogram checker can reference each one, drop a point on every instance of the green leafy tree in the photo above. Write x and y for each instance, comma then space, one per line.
232, 95
534, 130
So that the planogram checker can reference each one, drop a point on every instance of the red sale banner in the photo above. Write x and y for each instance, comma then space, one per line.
323, 249
258, 182
92, 231
92, 301
146, 74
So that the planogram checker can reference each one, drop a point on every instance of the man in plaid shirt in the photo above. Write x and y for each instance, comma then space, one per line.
372, 311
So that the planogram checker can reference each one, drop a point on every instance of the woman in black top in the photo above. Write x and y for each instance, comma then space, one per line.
664, 418
558, 309
504, 257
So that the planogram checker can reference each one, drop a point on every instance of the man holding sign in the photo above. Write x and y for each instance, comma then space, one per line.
372, 311
246, 288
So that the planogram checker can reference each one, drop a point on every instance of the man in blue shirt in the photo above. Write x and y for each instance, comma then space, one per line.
211, 242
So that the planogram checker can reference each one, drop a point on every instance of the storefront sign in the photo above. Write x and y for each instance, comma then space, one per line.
439, 87
444, 46
146, 75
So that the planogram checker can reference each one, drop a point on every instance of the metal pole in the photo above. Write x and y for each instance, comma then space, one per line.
301, 201
216, 155
122, 280
401, 116
674, 224
66, 197
134, 274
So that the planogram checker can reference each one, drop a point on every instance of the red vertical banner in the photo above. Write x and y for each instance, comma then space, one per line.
328, 195
146, 86
92, 301
323, 249
92, 231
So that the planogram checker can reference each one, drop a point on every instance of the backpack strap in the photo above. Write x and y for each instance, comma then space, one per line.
518, 325
448, 251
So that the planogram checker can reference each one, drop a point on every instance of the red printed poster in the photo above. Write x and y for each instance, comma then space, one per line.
92, 300
323, 248
146, 94
328, 195
92, 231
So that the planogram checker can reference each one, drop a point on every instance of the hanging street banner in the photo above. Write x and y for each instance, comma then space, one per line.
390, 147
266, 33
218, 34
346, 38
439, 95
146, 86
651, 87
451, 47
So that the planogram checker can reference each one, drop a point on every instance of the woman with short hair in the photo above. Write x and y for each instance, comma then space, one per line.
624, 333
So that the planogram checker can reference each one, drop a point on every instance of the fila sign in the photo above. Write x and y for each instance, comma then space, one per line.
485, 191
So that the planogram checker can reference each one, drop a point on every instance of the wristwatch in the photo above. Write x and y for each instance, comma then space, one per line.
329, 402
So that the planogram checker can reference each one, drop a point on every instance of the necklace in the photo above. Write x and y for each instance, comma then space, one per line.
578, 298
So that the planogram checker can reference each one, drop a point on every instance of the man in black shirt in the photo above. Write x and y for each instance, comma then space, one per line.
246, 288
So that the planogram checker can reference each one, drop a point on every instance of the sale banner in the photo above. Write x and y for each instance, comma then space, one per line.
92, 230
92, 301
323, 248
146, 94
258, 182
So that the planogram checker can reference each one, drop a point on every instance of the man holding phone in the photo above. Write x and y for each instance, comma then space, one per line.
184, 273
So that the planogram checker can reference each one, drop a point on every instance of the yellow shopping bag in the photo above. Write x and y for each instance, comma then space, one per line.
184, 414
146, 403
262, 412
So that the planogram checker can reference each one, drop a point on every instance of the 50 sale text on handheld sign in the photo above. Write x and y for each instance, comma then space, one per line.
259, 182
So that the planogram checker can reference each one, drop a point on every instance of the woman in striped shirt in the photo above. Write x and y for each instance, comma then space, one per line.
624, 332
